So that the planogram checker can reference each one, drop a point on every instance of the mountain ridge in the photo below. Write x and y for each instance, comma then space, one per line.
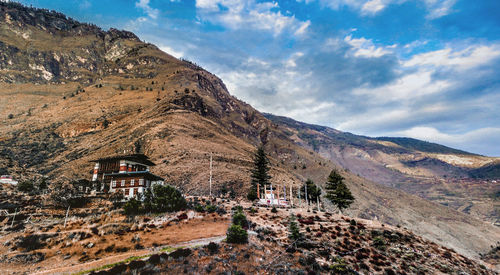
177, 113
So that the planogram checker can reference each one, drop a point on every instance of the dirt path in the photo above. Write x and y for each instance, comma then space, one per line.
124, 256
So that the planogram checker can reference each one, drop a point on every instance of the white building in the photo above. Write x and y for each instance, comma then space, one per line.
7, 179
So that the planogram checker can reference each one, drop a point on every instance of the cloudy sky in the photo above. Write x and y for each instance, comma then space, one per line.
427, 69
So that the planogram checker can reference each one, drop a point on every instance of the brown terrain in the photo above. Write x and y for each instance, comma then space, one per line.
107, 242
71, 92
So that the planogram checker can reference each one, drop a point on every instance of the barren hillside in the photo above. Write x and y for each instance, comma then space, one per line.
71, 92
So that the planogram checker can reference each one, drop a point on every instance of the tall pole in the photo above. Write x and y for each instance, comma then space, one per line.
317, 200
13, 218
66, 218
307, 199
300, 202
291, 196
210, 174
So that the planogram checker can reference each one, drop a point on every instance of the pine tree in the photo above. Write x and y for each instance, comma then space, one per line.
337, 191
294, 233
260, 174
313, 191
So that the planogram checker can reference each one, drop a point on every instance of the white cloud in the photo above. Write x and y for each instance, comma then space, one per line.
365, 47
302, 29
171, 51
373, 6
85, 4
439, 8
435, 8
250, 14
468, 58
151, 12
407, 88
479, 140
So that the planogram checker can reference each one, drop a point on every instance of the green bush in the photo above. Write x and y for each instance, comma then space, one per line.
166, 198
274, 210
211, 208
199, 208
236, 234
26, 186
240, 219
132, 207
237, 208
379, 243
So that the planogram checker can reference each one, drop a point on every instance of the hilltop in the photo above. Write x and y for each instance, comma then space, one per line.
71, 92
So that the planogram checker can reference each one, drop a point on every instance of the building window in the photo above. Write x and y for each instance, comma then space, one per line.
113, 183
132, 181
141, 181
123, 183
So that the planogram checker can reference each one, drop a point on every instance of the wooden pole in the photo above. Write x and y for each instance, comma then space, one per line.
210, 174
307, 199
14, 218
317, 200
291, 196
300, 202
66, 218
258, 191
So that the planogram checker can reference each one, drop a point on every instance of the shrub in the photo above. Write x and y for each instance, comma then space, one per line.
10, 116
166, 198
379, 242
240, 219
63, 195
199, 208
236, 234
132, 207
211, 208
116, 198
340, 267
237, 208
30, 242
26, 186
274, 210
212, 247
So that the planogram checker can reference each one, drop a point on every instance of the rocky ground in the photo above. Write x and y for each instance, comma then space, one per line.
100, 239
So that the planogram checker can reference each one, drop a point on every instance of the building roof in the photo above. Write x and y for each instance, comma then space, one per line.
137, 173
139, 158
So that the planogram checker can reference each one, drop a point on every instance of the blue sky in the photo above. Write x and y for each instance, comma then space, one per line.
426, 69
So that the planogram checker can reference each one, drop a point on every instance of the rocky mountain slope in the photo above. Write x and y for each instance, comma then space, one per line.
71, 92
461, 180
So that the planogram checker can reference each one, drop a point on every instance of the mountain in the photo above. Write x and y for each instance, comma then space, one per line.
71, 92
458, 179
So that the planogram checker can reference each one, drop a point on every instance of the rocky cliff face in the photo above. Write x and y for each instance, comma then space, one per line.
41, 46
72, 92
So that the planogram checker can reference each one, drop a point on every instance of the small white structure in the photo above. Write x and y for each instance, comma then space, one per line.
7, 179
270, 197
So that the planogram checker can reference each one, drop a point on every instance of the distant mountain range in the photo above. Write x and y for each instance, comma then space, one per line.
71, 92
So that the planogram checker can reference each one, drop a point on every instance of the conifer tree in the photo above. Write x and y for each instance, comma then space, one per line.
293, 228
313, 191
337, 191
260, 172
